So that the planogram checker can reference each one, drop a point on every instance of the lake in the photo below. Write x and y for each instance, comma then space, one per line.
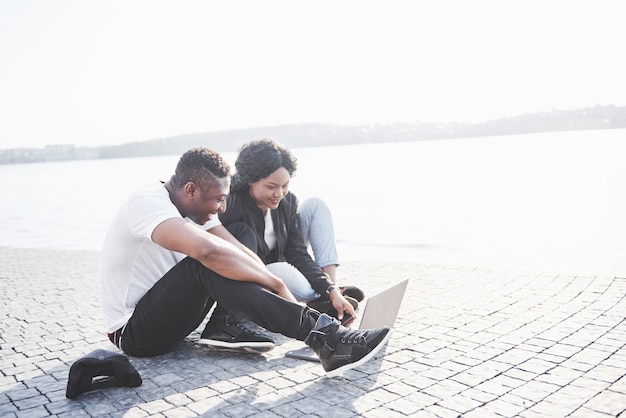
552, 202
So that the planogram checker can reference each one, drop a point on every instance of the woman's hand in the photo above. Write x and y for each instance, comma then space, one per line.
342, 306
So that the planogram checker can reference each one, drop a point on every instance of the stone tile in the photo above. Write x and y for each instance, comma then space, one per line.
470, 342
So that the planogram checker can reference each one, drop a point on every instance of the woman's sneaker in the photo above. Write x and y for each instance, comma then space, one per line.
353, 292
340, 349
228, 333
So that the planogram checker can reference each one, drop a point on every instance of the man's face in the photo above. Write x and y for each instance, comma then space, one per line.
209, 200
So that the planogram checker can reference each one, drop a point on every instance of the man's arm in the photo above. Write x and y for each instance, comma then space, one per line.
222, 232
216, 254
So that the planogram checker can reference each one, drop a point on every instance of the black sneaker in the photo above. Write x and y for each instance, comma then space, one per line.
326, 306
227, 333
340, 349
353, 292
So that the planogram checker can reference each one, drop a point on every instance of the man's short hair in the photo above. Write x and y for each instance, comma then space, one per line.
200, 165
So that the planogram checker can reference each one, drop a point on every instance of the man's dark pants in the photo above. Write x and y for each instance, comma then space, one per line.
178, 303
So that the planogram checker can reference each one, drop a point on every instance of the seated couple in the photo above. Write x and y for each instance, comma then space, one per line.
167, 260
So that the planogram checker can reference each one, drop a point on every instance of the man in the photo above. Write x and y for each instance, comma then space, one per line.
161, 273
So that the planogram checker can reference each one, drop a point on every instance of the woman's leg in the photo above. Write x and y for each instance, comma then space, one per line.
316, 224
294, 280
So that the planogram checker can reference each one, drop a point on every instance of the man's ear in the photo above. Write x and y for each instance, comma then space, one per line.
190, 189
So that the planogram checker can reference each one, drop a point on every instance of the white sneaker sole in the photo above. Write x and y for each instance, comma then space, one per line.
242, 347
340, 370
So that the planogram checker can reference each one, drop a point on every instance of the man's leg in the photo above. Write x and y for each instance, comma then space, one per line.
338, 348
224, 330
166, 314
177, 303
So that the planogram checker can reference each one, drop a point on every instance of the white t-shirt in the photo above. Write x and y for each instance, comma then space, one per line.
131, 262
269, 234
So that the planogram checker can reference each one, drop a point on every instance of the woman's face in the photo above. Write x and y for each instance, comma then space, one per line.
269, 191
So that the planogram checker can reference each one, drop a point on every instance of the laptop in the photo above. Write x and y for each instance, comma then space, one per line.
381, 310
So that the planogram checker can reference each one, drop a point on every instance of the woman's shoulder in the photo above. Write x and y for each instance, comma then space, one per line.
240, 196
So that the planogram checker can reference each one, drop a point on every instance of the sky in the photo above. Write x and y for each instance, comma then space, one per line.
94, 73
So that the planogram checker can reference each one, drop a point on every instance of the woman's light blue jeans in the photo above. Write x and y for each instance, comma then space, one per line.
295, 281
316, 225
317, 229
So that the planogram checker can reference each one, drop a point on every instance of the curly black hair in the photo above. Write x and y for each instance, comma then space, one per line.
201, 166
258, 159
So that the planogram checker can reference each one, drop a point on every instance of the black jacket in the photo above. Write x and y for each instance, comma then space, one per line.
290, 246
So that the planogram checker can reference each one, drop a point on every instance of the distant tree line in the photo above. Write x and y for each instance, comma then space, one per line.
309, 135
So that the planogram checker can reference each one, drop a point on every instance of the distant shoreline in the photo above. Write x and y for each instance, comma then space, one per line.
314, 135
549, 202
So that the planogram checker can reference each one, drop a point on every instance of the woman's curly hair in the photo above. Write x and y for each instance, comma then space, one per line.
201, 166
258, 159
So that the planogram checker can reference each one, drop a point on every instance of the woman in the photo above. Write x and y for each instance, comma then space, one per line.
263, 214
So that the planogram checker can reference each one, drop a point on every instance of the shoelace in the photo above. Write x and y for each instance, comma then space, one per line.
354, 336
246, 329
241, 326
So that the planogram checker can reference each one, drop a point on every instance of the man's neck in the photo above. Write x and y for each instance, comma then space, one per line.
174, 198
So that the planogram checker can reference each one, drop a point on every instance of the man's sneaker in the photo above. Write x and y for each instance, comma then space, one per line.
227, 333
340, 349
353, 292
326, 306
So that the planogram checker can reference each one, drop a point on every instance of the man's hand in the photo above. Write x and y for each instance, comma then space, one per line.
283, 291
217, 254
342, 306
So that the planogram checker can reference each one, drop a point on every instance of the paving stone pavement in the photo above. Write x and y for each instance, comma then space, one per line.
469, 342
